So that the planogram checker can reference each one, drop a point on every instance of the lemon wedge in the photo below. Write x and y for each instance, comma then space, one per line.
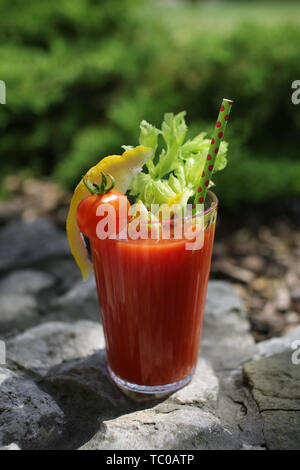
122, 168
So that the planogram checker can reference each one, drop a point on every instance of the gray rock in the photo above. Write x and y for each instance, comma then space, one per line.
226, 338
65, 271
91, 390
215, 411
29, 416
17, 312
11, 447
275, 384
185, 420
25, 244
202, 391
45, 346
277, 345
295, 294
91, 372
281, 429
80, 302
239, 411
26, 282
250, 447
71, 359
187, 427
84, 385
77, 375
221, 299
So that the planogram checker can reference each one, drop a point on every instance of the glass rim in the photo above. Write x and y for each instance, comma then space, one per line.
213, 207
215, 203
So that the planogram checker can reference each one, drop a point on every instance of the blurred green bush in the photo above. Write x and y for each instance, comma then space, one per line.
80, 76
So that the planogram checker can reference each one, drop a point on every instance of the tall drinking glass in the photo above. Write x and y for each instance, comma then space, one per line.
152, 296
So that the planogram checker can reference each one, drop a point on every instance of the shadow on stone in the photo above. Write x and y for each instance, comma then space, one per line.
87, 395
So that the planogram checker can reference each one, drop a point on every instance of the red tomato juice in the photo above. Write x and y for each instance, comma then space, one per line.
152, 295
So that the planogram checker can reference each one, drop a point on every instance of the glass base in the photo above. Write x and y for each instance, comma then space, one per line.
149, 392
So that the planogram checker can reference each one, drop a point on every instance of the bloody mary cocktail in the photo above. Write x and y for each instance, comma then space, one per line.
152, 296
151, 290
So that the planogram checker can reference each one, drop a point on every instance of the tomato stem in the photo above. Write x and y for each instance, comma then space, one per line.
95, 188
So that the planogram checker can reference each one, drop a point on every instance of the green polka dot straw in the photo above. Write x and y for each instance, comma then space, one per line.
213, 151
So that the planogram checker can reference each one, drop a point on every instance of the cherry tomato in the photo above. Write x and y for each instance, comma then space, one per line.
88, 220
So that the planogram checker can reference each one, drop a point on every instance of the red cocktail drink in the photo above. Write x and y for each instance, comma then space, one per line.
152, 296
151, 290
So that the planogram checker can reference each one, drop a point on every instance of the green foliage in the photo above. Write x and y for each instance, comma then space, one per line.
82, 74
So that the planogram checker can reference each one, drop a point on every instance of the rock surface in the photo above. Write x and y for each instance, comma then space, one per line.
28, 416
64, 270
203, 391
182, 428
214, 411
10, 447
26, 282
56, 391
17, 311
25, 244
80, 301
45, 346
275, 384
277, 345
226, 338
238, 409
